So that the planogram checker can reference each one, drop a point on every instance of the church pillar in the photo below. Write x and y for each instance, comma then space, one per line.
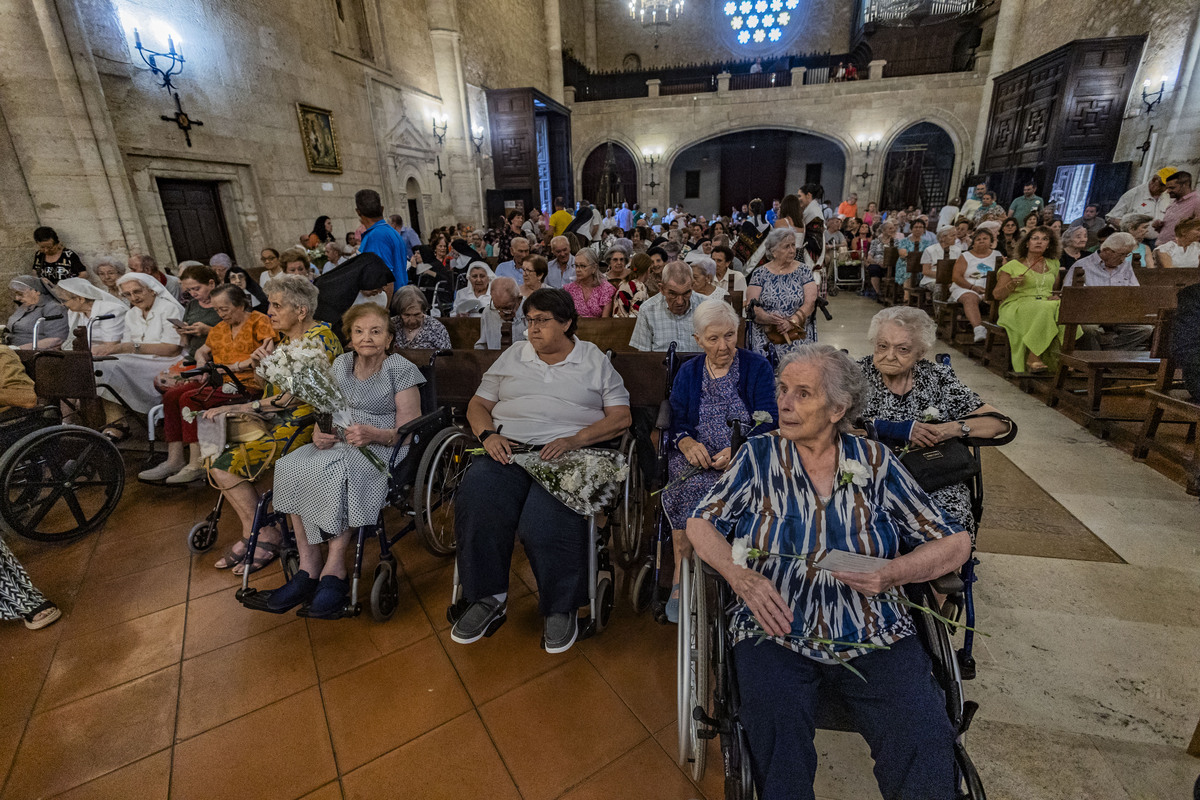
1183, 133
459, 195
554, 68
1008, 27
589, 34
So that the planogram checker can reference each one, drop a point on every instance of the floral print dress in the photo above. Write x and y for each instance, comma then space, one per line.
781, 294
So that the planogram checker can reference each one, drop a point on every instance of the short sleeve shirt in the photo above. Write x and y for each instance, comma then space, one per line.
537, 402
152, 328
383, 240
68, 265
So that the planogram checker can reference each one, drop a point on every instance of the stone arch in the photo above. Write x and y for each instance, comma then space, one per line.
959, 135
583, 149
919, 166
592, 168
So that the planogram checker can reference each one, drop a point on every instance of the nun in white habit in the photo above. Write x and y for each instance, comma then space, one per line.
86, 302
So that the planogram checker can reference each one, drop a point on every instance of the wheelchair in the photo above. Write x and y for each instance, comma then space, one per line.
58, 482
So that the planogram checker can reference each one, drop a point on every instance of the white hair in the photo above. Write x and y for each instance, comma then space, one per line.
504, 285
707, 264
919, 325
714, 312
1120, 241
776, 237
677, 272
842, 380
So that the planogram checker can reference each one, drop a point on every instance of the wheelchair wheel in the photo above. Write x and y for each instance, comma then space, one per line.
202, 536
641, 588
632, 511
439, 474
385, 592
693, 665
739, 783
968, 775
59, 483
604, 601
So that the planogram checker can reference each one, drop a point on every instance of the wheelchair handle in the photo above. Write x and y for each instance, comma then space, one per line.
37, 327
92, 322
212, 370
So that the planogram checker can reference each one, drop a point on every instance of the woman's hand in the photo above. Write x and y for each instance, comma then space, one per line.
322, 440
927, 434
220, 411
499, 448
558, 447
362, 435
264, 350
1017, 280
695, 453
763, 600
868, 583
722, 458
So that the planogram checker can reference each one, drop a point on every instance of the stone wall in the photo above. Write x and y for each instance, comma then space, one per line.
839, 112
504, 44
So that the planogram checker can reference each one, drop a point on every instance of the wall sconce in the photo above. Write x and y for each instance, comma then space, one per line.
1152, 99
440, 123
477, 138
867, 143
173, 56
650, 157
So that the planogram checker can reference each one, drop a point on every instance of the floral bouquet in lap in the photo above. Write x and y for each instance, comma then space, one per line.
586, 481
302, 369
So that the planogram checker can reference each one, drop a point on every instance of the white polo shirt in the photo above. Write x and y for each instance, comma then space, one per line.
537, 402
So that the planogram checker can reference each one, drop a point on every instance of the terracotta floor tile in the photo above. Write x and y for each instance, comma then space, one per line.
10, 737
223, 684
205, 579
330, 791
491, 667
276, 753
90, 663
411, 553
383, 704
636, 656
218, 619
644, 773
148, 779
23, 668
547, 744
57, 570
408, 766
81, 741
30, 552
136, 550
713, 782
104, 603
345, 644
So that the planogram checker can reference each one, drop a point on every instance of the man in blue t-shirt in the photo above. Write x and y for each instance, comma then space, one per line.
381, 238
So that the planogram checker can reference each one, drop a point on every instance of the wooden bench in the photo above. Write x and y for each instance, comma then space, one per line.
947, 313
1167, 399
888, 290
1178, 278
610, 333
1105, 305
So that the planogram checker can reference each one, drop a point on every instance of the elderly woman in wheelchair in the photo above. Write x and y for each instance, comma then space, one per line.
553, 393
825, 526
328, 487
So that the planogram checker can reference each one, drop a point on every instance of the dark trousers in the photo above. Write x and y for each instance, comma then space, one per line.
900, 710
496, 501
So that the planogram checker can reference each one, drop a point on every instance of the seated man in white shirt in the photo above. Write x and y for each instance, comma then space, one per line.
1111, 266
667, 316
722, 255
946, 247
503, 322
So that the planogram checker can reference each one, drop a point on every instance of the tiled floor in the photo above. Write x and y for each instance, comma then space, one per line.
158, 684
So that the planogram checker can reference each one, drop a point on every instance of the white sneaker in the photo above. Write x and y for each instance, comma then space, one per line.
980, 333
192, 472
163, 470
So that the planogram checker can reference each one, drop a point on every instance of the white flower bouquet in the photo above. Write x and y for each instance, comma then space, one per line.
302, 369
585, 480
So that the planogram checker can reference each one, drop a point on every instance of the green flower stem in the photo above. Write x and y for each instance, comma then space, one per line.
896, 597
378, 462
825, 646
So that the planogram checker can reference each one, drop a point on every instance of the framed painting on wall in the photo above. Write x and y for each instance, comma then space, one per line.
319, 138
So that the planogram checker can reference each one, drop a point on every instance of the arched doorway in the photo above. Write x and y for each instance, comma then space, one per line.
918, 168
412, 194
610, 176
713, 176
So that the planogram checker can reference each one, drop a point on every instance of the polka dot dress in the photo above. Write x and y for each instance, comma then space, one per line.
335, 489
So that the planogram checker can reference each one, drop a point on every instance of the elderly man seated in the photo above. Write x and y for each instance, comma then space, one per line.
555, 393
667, 316
502, 322
562, 263
514, 268
1111, 266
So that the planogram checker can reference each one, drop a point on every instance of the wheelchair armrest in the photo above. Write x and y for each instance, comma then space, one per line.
104, 358
664, 416
950, 583
438, 419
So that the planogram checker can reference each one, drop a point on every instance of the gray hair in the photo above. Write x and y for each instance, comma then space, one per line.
916, 322
842, 380
677, 272
620, 246
776, 237
1120, 241
1069, 232
1131, 221
559, 240
221, 260
118, 263
707, 264
295, 290
714, 312
589, 257
407, 297
504, 285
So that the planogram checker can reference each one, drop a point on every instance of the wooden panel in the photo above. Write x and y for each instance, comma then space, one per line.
514, 145
1094, 100
195, 221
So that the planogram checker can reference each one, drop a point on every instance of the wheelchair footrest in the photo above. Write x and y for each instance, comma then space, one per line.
257, 600
345, 612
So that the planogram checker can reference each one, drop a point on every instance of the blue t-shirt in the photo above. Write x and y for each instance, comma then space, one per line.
383, 240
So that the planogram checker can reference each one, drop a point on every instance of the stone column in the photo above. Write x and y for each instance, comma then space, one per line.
875, 69
798, 75
569, 95
460, 195
1008, 28
589, 34
722, 83
554, 68
652, 86
1183, 132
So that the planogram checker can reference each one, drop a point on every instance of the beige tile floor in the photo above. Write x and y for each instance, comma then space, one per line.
158, 684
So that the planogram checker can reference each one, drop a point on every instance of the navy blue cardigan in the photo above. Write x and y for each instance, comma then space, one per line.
756, 387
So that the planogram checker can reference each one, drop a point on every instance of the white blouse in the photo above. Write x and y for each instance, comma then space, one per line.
152, 328
1181, 257
109, 330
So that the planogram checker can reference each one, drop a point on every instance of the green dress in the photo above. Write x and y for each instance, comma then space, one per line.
1030, 315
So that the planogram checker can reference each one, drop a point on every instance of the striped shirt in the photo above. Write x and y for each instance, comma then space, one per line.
657, 327
766, 497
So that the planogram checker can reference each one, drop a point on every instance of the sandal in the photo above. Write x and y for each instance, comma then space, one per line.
39, 618
264, 554
115, 432
231, 558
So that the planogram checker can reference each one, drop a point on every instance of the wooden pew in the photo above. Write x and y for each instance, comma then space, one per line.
1178, 278
946, 312
1105, 305
1167, 399
888, 290
464, 331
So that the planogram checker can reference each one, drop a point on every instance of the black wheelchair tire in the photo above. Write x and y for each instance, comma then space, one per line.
433, 505
604, 601
385, 592
92, 451
632, 510
968, 775
641, 588
202, 537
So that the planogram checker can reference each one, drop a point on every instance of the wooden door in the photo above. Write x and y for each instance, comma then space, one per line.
195, 220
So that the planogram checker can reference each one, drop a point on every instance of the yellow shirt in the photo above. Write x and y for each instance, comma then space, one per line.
559, 221
16, 387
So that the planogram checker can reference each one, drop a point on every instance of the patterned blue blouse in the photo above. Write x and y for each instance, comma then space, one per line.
767, 499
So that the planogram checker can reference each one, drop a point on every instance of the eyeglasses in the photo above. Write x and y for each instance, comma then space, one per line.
537, 322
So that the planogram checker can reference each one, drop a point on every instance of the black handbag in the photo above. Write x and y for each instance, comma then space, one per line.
952, 461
